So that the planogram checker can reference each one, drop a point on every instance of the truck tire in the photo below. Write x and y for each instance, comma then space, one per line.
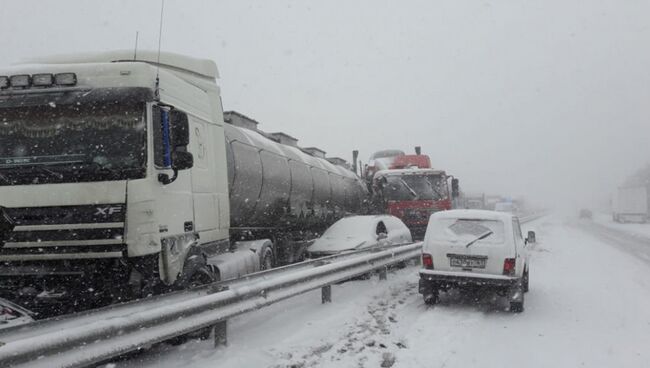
266, 263
201, 276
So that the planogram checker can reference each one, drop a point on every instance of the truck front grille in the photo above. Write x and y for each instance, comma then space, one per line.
65, 232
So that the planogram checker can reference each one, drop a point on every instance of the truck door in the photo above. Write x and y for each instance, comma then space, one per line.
204, 182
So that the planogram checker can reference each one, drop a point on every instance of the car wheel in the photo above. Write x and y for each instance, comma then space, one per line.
526, 281
517, 306
432, 298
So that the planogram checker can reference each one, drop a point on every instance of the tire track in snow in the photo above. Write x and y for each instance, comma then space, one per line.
367, 341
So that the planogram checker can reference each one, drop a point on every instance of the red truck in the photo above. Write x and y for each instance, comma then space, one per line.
407, 187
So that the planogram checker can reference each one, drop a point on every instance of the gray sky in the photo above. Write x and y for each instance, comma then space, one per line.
547, 99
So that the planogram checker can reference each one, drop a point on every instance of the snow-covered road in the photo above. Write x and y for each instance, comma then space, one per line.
589, 305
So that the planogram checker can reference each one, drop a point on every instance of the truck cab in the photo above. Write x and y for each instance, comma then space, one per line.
105, 172
413, 195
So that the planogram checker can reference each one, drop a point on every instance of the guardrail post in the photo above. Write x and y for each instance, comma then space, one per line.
382, 273
221, 333
326, 294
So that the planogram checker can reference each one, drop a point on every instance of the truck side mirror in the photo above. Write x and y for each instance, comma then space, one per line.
174, 136
530, 239
179, 129
182, 160
455, 190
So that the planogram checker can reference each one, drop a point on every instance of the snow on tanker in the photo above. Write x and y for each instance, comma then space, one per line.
119, 178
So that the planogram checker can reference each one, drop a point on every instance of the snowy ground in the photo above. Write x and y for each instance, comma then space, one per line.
632, 228
589, 305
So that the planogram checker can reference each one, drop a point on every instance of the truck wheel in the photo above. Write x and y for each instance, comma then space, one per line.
202, 276
267, 260
525, 281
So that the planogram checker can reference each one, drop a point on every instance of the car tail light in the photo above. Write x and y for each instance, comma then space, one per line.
427, 261
509, 266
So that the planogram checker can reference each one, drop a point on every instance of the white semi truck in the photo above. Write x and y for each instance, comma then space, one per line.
119, 178
630, 204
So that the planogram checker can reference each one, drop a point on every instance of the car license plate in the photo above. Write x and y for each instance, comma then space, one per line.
467, 262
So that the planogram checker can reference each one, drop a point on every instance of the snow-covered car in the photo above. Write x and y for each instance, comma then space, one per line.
475, 249
13, 315
359, 232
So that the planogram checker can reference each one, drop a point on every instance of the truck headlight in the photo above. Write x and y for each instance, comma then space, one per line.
66, 79
42, 80
20, 81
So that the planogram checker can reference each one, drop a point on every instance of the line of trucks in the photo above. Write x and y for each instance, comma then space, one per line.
122, 178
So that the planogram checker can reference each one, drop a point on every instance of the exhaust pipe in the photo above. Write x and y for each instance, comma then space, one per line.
418, 150
355, 155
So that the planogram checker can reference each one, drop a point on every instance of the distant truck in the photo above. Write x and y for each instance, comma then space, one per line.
630, 204
474, 201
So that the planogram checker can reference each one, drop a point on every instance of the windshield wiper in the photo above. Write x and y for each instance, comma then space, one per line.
24, 169
408, 187
434, 188
53, 173
481, 237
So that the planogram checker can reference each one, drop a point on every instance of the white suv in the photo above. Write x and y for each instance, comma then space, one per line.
475, 249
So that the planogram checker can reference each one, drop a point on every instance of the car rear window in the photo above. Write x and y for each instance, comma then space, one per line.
454, 229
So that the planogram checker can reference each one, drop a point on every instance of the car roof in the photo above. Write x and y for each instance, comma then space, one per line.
366, 217
474, 214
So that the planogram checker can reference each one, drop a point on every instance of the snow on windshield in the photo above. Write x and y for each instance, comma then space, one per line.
451, 229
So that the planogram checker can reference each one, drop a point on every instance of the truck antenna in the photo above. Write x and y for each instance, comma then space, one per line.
135, 49
162, 11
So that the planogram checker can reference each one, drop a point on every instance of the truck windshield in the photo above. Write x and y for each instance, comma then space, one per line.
415, 187
72, 143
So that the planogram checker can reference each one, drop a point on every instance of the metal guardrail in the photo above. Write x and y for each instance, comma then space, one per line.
94, 336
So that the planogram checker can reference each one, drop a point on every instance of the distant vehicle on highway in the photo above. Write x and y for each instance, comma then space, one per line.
359, 232
475, 249
630, 204
508, 207
586, 214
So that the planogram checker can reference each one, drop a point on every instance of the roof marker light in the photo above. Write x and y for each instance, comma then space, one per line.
21, 80
66, 79
42, 80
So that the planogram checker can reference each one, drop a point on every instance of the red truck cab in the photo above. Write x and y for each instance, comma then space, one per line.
412, 195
